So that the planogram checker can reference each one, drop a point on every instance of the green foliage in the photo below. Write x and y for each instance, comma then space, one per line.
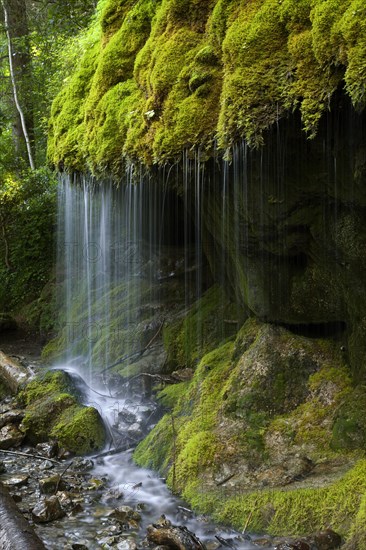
27, 217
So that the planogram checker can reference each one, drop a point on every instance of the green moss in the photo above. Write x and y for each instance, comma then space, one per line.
46, 385
188, 340
301, 511
233, 68
349, 430
52, 411
80, 430
156, 450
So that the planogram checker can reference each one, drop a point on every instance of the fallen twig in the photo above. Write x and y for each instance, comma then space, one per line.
61, 476
29, 455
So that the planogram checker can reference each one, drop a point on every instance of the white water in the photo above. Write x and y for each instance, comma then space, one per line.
115, 249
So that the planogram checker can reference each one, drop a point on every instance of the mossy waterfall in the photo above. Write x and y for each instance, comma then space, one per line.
212, 241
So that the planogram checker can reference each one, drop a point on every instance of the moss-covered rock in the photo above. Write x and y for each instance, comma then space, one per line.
53, 410
157, 77
209, 321
250, 435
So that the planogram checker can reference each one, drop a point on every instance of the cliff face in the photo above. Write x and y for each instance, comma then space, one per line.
159, 76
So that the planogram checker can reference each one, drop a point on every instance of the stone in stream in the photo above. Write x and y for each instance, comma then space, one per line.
10, 436
135, 431
49, 485
84, 464
48, 450
47, 509
16, 481
163, 533
2, 467
127, 515
127, 416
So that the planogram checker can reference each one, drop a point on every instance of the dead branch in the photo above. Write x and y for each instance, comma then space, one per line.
29, 455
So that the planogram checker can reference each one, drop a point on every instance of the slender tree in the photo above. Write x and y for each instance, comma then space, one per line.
19, 4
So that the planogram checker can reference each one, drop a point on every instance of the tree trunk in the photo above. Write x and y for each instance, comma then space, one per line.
16, 27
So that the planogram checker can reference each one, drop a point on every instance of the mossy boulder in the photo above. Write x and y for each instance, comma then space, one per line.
53, 411
250, 435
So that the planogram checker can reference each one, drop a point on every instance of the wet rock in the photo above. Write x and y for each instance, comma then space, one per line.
2, 467
47, 509
16, 480
50, 485
11, 417
126, 515
134, 431
46, 465
263, 542
324, 540
163, 533
67, 504
127, 544
114, 493
127, 416
10, 436
327, 540
49, 450
80, 546
82, 464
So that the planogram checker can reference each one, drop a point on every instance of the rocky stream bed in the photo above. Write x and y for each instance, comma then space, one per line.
105, 501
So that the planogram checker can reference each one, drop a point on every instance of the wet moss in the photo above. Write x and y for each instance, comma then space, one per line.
80, 430
349, 430
187, 341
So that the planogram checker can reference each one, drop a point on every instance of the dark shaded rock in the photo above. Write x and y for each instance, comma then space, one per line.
7, 322
48, 449
10, 436
324, 540
127, 416
327, 540
163, 533
47, 509
2, 467
11, 417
